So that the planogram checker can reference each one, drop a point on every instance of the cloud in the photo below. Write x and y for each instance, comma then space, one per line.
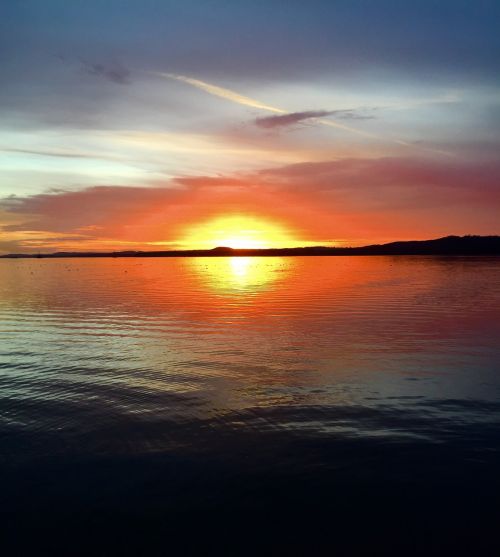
221, 92
291, 118
52, 153
237, 98
380, 199
114, 72
283, 120
352, 114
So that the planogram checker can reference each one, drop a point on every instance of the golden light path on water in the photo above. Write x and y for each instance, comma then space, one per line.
243, 274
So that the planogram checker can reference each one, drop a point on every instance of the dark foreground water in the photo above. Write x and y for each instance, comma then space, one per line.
234, 406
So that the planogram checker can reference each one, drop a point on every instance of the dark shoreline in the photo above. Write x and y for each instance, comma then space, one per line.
449, 245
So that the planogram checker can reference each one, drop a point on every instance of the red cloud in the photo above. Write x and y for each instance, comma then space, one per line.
358, 199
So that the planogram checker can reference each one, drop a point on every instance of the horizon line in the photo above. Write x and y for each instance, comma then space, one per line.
227, 251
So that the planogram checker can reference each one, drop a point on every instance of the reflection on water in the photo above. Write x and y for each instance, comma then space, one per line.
156, 391
240, 274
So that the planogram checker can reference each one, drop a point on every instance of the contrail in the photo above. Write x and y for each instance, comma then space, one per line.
223, 93
235, 97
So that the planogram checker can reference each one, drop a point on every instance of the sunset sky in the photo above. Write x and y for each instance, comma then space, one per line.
190, 124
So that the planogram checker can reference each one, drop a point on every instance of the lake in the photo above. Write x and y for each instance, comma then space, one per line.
225, 406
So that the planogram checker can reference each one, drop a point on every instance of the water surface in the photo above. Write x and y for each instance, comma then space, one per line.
304, 404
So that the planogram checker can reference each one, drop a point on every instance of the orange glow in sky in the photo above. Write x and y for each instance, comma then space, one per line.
239, 232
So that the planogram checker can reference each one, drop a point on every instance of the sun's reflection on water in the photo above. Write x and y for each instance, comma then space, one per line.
240, 274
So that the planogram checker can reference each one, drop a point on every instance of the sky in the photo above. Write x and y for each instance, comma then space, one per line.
190, 124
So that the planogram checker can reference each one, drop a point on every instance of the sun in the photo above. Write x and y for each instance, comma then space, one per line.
238, 232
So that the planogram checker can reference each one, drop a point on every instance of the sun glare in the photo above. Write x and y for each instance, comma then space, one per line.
238, 232
240, 274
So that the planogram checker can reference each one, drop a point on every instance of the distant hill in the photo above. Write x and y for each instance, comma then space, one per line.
450, 245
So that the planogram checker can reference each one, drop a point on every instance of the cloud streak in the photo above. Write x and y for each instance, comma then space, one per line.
115, 72
237, 98
222, 92
233, 96
291, 118
284, 120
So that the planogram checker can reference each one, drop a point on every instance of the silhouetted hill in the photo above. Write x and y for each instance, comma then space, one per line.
450, 245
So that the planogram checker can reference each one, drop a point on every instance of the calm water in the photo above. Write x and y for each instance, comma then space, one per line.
343, 405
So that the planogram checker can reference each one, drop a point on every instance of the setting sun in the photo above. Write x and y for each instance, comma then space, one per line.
239, 232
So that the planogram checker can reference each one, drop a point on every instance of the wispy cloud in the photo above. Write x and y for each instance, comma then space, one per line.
233, 96
291, 118
222, 92
53, 153
353, 114
114, 72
